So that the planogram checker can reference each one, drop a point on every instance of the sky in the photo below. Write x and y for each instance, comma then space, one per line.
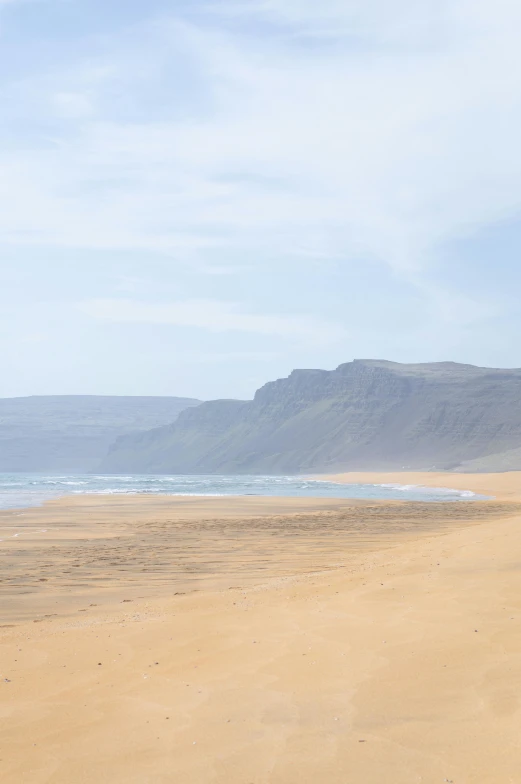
198, 197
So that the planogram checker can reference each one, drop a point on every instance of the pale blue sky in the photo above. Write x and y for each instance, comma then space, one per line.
197, 197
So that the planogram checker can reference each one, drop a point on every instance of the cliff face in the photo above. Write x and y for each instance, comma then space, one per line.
366, 414
73, 433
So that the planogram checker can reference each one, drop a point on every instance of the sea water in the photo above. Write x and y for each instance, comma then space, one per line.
23, 490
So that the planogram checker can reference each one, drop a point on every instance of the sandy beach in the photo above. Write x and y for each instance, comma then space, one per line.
247, 641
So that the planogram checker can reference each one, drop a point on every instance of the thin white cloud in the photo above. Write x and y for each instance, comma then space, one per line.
214, 316
73, 105
399, 22
345, 151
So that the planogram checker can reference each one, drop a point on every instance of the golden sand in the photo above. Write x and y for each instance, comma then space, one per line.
244, 641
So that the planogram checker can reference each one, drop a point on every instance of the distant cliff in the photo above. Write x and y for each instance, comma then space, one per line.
73, 433
366, 414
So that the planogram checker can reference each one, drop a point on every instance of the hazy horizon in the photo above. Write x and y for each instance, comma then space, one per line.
202, 400
197, 200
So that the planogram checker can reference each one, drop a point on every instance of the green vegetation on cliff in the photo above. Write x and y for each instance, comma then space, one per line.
366, 414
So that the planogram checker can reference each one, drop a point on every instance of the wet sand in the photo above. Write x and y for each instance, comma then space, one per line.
505, 486
242, 641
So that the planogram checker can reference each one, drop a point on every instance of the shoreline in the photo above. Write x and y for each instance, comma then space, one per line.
503, 486
355, 478
313, 640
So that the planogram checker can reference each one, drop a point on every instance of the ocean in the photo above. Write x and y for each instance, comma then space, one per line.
24, 490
